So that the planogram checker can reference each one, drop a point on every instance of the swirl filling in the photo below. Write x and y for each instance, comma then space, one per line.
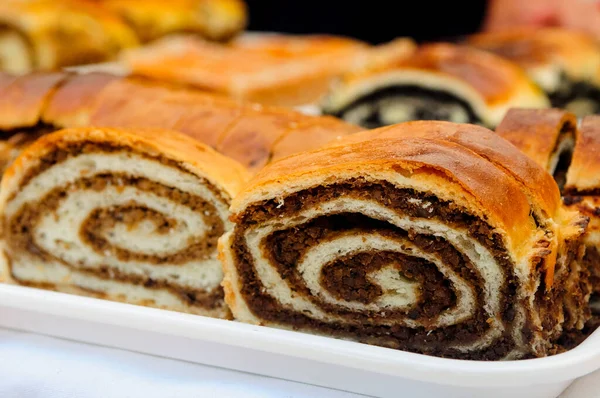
372, 262
118, 224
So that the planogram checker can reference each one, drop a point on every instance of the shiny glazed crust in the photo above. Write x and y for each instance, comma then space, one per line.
252, 134
584, 173
546, 52
452, 157
536, 132
278, 70
489, 84
152, 19
538, 185
219, 170
66, 32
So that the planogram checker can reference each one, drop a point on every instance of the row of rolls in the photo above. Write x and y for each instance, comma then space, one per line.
49, 34
434, 237
474, 79
202, 43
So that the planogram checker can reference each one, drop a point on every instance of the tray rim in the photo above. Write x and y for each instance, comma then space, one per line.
567, 366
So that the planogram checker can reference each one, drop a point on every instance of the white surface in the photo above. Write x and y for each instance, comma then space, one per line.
289, 355
39, 366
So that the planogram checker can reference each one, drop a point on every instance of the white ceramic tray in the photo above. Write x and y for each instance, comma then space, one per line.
289, 355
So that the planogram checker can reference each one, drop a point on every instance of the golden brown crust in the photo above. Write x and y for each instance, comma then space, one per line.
504, 202
67, 32
247, 132
584, 173
6, 79
488, 83
218, 169
152, 19
494, 78
538, 184
536, 131
313, 133
252, 146
135, 102
576, 53
275, 70
72, 101
24, 99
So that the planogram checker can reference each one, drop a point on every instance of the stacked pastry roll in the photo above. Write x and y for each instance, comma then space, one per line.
49, 34
271, 69
552, 139
437, 82
431, 237
33, 104
151, 19
127, 215
564, 63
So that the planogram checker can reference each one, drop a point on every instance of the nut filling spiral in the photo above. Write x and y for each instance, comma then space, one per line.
405, 243
104, 219
380, 276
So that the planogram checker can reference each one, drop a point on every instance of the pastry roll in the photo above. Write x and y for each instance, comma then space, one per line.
438, 82
565, 64
270, 69
22, 102
126, 215
49, 34
431, 237
249, 133
552, 139
152, 19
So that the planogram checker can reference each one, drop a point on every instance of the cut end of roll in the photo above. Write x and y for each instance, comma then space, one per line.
401, 241
435, 82
126, 215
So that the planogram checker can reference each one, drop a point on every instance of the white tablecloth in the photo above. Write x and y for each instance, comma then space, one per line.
35, 366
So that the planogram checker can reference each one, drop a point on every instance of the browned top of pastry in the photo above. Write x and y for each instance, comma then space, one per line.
73, 100
23, 98
538, 184
493, 77
248, 67
576, 53
151, 19
584, 173
536, 131
252, 134
60, 26
446, 168
192, 155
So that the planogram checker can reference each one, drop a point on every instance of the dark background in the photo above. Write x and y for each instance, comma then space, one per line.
374, 21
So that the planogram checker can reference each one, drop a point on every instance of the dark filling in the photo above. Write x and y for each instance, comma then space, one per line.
94, 229
565, 157
581, 98
16, 140
398, 104
572, 338
345, 278
212, 299
591, 261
